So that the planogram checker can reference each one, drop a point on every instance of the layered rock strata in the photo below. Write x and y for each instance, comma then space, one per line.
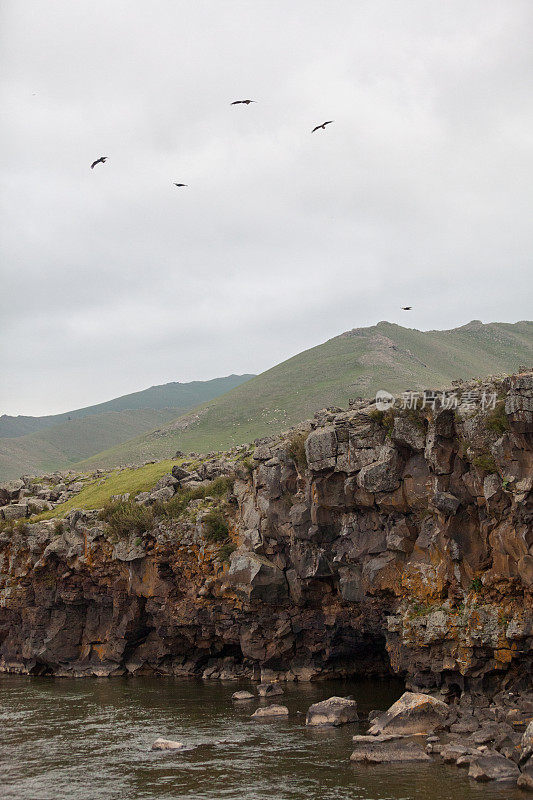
365, 542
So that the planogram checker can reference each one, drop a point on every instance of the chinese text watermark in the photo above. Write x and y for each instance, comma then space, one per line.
468, 400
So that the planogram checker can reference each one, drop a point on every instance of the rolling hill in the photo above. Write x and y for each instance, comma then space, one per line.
168, 395
60, 440
356, 363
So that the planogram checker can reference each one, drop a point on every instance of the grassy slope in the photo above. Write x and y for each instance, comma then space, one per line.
62, 444
357, 363
168, 395
99, 491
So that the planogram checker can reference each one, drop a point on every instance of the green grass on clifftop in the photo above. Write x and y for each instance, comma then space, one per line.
100, 491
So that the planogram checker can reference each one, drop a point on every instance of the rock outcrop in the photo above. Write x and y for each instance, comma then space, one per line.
362, 542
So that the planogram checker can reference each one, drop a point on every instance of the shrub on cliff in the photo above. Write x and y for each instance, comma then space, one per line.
485, 462
175, 507
125, 517
215, 527
296, 450
226, 550
497, 419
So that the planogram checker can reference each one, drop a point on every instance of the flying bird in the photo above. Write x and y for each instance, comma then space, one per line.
245, 102
100, 160
323, 126
181, 184
406, 308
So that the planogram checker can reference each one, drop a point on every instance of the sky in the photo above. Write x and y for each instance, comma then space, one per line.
419, 193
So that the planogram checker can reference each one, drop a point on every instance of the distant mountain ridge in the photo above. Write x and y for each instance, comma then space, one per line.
163, 396
355, 363
57, 441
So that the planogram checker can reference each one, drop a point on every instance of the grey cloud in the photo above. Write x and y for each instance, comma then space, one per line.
113, 279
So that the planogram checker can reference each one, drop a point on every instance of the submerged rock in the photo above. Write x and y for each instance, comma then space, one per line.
269, 689
334, 711
242, 696
387, 748
271, 711
167, 744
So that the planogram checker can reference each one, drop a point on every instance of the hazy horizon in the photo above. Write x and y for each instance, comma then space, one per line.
252, 374
418, 194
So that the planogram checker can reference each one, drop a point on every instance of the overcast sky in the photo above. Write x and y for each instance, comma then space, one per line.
419, 194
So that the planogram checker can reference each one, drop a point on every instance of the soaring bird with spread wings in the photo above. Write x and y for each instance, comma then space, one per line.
100, 160
181, 184
242, 102
407, 308
323, 126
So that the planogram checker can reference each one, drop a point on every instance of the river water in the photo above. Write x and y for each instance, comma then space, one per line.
90, 739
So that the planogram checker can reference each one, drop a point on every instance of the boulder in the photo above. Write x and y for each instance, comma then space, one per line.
334, 711
526, 744
382, 475
10, 490
387, 749
413, 713
179, 473
15, 511
446, 502
167, 744
321, 448
450, 753
142, 497
242, 696
271, 711
492, 766
409, 433
257, 577
525, 781
269, 689
162, 495
36, 505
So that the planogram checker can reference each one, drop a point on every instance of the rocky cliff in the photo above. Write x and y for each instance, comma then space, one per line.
364, 541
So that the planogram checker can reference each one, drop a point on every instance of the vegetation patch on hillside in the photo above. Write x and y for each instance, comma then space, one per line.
121, 481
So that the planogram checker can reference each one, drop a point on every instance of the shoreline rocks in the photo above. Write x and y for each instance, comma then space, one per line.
385, 748
413, 713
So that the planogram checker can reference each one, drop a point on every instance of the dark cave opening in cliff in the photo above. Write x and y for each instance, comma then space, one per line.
40, 670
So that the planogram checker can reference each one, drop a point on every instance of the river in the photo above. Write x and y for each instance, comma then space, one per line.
90, 739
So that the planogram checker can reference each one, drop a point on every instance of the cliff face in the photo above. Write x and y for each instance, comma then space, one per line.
401, 541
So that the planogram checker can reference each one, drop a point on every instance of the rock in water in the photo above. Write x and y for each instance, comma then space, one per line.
167, 744
269, 689
525, 781
271, 711
413, 713
242, 696
492, 766
386, 749
334, 711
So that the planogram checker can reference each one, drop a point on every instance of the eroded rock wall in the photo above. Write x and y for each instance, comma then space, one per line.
401, 541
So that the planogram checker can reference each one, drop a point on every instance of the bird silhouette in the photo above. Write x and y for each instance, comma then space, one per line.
100, 160
406, 308
241, 102
181, 184
323, 126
